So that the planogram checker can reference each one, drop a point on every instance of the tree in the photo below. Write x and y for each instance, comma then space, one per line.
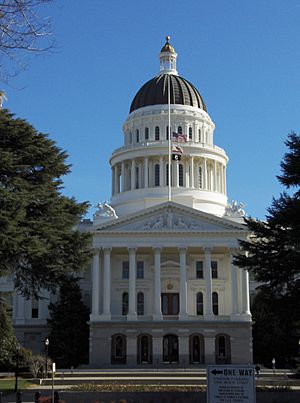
275, 328
272, 253
69, 335
8, 339
273, 250
38, 240
22, 30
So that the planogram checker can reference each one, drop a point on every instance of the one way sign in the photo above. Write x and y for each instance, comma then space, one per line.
230, 383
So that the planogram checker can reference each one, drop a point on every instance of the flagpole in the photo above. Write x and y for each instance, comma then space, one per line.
169, 138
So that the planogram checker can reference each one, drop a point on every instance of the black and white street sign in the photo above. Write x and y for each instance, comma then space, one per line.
230, 384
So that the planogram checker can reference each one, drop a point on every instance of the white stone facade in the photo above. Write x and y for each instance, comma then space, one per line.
162, 287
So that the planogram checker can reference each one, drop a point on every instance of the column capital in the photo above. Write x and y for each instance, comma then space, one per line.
208, 249
182, 249
107, 250
157, 248
132, 249
96, 251
233, 251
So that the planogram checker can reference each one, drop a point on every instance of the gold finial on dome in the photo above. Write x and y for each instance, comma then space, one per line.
167, 46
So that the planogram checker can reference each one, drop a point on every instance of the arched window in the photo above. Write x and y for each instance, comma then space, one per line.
179, 130
156, 133
222, 348
200, 177
199, 303
180, 175
144, 349
137, 135
196, 349
170, 348
167, 133
125, 299
190, 133
215, 303
118, 349
156, 174
199, 135
140, 303
146, 133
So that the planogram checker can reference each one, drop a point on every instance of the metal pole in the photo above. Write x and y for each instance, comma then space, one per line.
17, 369
169, 139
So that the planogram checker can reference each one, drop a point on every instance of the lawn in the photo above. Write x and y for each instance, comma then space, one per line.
8, 384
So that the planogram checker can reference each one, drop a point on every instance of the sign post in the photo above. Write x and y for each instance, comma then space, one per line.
230, 383
53, 373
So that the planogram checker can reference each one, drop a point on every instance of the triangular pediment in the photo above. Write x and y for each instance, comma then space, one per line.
170, 217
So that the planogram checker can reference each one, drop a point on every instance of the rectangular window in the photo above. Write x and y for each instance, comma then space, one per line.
214, 269
140, 270
125, 270
34, 308
170, 303
199, 269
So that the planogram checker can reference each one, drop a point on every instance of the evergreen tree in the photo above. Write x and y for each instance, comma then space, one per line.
8, 339
272, 253
69, 334
273, 250
275, 329
38, 242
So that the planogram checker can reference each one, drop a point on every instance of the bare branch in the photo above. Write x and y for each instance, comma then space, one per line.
22, 30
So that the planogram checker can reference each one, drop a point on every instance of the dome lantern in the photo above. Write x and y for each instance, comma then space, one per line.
168, 58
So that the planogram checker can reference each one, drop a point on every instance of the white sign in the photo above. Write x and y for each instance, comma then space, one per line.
230, 384
53, 367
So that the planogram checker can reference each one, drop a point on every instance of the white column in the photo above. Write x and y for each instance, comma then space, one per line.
205, 174
197, 175
245, 292
187, 176
112, 181
192, 172
234, 295
132, 289
161, 172
116, 179
157, 285
215, 176
225, 183
183, 284
106, 285
140, 175
133, 173
208, 312
20, 314
95, 286
146, 181
123, 176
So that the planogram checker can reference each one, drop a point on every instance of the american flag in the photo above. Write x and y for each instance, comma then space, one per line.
179, 138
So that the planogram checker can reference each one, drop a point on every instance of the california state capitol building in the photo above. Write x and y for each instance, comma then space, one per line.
162, 287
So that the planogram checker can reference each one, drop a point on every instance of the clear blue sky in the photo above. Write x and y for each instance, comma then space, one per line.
243, 56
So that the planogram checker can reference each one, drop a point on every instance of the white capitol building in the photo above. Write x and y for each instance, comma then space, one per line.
162, 285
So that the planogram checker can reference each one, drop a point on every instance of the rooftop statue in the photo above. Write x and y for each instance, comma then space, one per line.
235, 209
105, 210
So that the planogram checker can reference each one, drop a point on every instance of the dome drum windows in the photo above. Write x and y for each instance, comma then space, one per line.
157, 133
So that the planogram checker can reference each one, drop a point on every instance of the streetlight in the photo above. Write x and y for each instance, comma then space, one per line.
17, 366
46, 342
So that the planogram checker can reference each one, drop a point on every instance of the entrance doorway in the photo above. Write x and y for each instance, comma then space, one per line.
170, 348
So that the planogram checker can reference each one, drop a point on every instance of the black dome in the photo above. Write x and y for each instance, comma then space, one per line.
155, 92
